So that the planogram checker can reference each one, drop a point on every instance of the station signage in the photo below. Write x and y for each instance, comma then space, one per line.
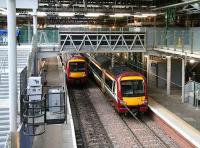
21, 4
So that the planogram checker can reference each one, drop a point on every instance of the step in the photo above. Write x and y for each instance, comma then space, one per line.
4, 113
4, 122
4, 118
3, 138
4, 109
4, 133
4, 128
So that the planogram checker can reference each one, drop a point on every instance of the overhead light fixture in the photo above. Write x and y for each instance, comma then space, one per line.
41, 14
66, 14
145, 15
120, 15
94, 14
192, 61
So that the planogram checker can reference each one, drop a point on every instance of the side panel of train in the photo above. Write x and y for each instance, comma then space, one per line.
127, 91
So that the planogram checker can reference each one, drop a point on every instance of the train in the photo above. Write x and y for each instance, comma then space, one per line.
127, 88
76, 68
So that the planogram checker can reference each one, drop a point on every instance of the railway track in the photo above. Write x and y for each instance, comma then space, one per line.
101, 126
90, 132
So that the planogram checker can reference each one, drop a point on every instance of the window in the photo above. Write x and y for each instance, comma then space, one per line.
133, 88
108, 82
77, 66
96, 70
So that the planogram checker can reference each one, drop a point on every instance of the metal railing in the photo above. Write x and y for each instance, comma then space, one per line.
184, 40
31, 59
3, 64
192, 90
8, 142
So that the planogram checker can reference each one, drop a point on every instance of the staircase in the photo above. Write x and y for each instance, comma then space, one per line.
22, 59
4, 126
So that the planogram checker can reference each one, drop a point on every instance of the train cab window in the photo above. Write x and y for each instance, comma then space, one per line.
77, 66
132, 88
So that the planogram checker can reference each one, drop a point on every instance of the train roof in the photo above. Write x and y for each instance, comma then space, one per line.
122, 69
104, 61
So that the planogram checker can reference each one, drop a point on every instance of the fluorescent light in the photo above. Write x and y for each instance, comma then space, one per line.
192, 61
66, 14
41, 14
94, 14
145, 15
120, 15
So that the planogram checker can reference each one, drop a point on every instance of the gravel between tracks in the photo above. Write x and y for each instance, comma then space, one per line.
92, 129
118, 132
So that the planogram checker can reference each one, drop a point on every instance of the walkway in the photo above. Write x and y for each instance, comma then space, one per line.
57, 135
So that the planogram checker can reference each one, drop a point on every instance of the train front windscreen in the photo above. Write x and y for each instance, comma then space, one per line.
132, 88
77, 66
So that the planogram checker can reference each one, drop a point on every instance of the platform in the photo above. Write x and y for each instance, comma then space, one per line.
183, 117
57, 135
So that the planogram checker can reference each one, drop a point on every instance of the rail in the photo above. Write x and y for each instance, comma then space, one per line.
32, 58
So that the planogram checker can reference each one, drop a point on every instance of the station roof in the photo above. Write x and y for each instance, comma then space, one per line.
107, 11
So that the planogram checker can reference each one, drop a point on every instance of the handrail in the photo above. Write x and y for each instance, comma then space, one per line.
8, 142
32, 55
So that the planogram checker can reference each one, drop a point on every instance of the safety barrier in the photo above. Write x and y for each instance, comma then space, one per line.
192, 91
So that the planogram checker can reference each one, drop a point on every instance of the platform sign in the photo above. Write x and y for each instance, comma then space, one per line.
21, 4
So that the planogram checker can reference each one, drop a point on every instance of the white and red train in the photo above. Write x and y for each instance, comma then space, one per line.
127, 87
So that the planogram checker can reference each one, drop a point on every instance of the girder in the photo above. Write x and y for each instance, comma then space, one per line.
102, 42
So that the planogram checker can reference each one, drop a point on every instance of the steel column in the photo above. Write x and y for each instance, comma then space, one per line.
34, 21
12, 68
148, 67
183, 79
168, 75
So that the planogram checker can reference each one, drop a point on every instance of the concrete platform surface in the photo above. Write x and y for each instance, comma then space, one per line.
57, 135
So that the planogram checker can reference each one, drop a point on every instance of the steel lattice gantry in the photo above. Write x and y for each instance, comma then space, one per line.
76, 42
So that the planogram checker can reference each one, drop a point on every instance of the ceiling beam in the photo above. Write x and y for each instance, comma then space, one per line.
71, 4
177, 5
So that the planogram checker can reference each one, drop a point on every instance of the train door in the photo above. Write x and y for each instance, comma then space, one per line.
114, 90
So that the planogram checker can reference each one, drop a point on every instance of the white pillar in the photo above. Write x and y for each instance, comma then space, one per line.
12, 67
168, 75
183, 79
34, 21
148, 67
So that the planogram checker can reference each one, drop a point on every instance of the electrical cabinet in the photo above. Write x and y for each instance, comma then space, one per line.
55, 100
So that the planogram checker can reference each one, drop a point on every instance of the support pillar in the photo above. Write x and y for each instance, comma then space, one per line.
168, 75
148, 67
183, 80
34, 21
12, 68
35, 33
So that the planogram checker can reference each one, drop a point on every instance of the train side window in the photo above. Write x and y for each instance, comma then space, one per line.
108, 82
96, 69
114, 87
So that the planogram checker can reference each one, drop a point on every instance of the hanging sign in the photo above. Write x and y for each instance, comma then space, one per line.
21, 4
